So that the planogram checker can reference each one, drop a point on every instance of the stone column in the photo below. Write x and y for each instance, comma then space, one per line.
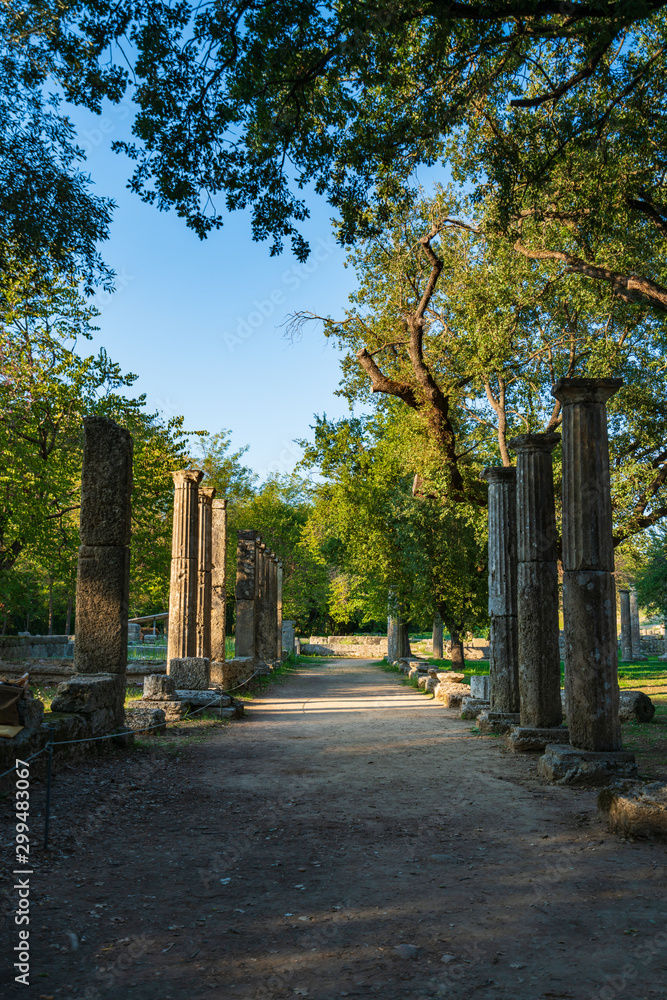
503, 656
589, 593
537, 595
204, 581
263, 645
103, 579
247, 565
664, 639
182, 637
218, 581
438, 646
626, 628
392, 626
279, 611
634, 627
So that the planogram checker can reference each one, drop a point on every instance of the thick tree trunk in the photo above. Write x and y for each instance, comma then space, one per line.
458, 659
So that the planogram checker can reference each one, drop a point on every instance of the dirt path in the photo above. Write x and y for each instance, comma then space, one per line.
349, 814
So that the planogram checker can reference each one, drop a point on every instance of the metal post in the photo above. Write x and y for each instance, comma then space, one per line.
49, 765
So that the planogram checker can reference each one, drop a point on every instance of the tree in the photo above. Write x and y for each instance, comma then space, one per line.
471, 338
651, 576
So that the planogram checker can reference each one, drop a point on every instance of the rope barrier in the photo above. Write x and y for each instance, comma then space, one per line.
43, 750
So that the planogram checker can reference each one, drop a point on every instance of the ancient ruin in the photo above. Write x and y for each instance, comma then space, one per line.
182, 639
589, 596
537, 595
503, 658
626, 627
204, 574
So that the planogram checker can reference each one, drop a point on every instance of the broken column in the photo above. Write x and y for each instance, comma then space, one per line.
279, 610
503, 655
589, 595
205, 555
537, 596
626, 628
218, 588
182, 637
438, 646
103, 579
247, 563
634, 627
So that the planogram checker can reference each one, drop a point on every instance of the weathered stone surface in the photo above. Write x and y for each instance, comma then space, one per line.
568, 765
472, 707
413, 673
451, 676
438, 644
589, 594
200, 698
497, 723
218, 578
480, 687
635, 706
451, 695
431, 683
503, 652
539, 651
31, 711
159, 687
182, 636
153, 720
190, 672
635, 632
173, 710
87, 693
204, 579
635, 808
626, 627
532, 738
102, 590
247, 563
101, 721
106, 484
421, 681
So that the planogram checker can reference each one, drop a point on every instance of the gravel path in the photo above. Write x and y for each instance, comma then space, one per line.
348, 815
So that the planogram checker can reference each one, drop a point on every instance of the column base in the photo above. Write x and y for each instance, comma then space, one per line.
563, 764
532, 738
471, 707
497, 723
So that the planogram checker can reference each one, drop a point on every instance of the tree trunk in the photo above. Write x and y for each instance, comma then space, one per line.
4, 623
68, 619
50, 632
458, 659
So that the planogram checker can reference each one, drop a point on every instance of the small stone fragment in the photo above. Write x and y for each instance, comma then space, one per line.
406, 950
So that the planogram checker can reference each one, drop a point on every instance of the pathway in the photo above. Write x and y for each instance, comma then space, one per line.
348, 815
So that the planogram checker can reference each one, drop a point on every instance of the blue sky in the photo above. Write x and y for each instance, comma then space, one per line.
199, 322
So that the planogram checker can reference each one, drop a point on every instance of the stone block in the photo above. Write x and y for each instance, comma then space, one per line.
190, 672
497, 723
102, 720
159, 687
152, 719
102, 610
480, 687
635, 706
106, 484
173, 710
635, 808
413, 673
421, 681
200, 698
446, 690
451, 676
471, 707
568, 765
531, 738
31, 711
431, 683
87, 693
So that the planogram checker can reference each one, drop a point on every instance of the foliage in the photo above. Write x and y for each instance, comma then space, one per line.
471, 338
651, 578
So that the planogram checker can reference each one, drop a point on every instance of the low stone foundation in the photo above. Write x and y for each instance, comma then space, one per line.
635, 808
471, 708
497, 723
532, 739
567, 765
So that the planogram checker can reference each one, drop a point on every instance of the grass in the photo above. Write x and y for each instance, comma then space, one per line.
405, 680
279, 676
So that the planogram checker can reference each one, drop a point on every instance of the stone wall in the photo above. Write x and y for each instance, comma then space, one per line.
36, 647
367, 647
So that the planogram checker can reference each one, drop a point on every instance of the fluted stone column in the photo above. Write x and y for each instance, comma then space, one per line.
537, 595
218, 580
664, 639
103, 578
626, 628
247, 588
204, 581
438, 643
265, 643
634, 627
279, 610
182, 638
589, 593
503, 656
